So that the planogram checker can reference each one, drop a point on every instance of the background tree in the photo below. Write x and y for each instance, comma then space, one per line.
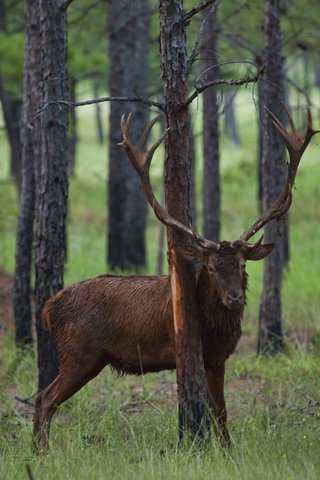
30, 130
129, 40
211, 155
11, 53
52, 177
273, 174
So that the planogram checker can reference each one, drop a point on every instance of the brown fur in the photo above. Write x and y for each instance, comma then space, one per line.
127, 322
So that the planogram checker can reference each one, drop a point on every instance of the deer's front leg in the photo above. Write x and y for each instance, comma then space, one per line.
215, 383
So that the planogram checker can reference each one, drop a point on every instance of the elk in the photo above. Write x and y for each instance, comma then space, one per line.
127, 321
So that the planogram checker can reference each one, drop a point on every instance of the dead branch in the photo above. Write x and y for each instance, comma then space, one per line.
29, 472
26, 400
69, 104
199, 89
66, 4
198, 9
203, 25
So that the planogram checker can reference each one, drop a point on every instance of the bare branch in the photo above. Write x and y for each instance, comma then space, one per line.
201, 88
239, 41
66, 4
211, 12
68, 104
197, 9
29, 472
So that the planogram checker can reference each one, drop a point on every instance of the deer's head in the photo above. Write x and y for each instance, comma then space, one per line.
224, 261
226, 267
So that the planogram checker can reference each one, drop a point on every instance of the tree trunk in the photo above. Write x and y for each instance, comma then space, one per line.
273, 175
97, 106
317, 73
261, 138
52, 177
3, 19
211, 182
12, 117
72, 138
128, 49
189, 360
192, 163
29, 139
230, 124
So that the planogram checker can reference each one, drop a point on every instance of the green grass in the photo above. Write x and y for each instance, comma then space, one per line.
126, 428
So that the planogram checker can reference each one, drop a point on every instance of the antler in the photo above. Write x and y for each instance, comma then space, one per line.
141, 160
296, 145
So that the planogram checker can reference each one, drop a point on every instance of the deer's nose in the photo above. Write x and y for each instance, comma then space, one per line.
235, 297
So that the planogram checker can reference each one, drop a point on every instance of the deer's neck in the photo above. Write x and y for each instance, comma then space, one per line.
214, 314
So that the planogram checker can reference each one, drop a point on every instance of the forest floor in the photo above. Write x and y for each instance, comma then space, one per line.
126, 428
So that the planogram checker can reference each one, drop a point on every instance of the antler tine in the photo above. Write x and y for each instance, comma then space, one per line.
277, 124
296, 145
143, 140
292, 125
124, 124
154, 147
141, 161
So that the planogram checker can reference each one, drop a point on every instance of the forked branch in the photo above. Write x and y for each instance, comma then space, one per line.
296, 144
141, 160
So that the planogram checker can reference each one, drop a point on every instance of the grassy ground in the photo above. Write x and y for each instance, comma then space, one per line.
127, 428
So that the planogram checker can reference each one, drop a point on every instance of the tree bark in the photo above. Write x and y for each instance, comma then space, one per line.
128, 51
98, 117
29, 140
192, 164
230, 124
12, 117
211, 181
52, 177
3, 17
72, 138
192, 395
273, 175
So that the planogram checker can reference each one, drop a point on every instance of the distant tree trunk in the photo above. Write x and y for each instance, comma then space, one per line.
3, 19
211, 182
99, 125
189, 360
192, 166
52, 175
273, 175
317, 73
261, 138
11, 109
12, 117
128, 52
29, 139
230, 125
72, 138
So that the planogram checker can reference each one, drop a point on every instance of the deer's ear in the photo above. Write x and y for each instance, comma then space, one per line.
259, 252
190, 254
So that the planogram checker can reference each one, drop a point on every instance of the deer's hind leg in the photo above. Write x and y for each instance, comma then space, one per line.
71, 378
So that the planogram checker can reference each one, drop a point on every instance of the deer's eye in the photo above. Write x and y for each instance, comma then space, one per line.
243, 265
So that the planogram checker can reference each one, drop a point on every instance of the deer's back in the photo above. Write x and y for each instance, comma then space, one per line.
130, 318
